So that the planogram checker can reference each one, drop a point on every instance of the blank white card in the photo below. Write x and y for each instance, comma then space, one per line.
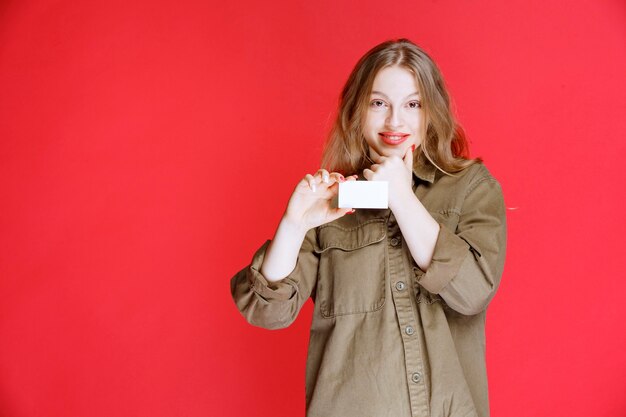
363, 194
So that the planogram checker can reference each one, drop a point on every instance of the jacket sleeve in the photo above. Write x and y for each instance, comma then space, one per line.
275, 305
467, 263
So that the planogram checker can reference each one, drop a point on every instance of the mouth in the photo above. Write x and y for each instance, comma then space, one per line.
393, 138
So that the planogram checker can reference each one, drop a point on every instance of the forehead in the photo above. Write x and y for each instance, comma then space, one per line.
395, 80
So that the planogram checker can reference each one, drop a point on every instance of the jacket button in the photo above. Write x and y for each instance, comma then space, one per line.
400, 286
416, 377
395, 241
409, 330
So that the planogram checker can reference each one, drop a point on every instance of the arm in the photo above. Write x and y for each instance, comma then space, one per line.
419, 229
271, 291
462, 266
275, 305
282, 252
467, 264
310, 206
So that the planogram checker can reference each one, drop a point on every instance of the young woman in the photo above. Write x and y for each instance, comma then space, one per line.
400, 294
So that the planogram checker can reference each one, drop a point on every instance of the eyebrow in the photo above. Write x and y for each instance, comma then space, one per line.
385, 95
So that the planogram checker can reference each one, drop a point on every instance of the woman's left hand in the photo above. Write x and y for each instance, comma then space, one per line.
398, 172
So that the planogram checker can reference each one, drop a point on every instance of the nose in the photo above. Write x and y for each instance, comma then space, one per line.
394, 118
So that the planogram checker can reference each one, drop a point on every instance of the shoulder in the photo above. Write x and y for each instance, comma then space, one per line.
477, 174
482, 192
467, 179
455, 193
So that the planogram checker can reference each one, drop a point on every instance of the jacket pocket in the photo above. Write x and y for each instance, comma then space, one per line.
352, 271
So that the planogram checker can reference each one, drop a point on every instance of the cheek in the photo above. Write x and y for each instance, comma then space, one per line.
418, 122
370, 124
417, 118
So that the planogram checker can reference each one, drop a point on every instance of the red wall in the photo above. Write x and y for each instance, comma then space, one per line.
147, 148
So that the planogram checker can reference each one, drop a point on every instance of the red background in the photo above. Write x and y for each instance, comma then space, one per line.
147, 148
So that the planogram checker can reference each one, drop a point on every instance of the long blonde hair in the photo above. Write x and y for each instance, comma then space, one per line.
444, 145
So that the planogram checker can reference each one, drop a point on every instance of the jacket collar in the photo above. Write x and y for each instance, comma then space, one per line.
424, 169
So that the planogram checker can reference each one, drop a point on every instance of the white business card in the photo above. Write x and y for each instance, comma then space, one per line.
363, 194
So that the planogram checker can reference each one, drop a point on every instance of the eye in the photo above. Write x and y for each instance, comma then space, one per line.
377, 104
415, 104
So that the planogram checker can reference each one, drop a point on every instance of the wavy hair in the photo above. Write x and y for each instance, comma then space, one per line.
444, 144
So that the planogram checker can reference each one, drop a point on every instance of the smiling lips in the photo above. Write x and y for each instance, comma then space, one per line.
393, 138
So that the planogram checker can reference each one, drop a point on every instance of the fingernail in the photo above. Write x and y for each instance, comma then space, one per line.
413, 148
351, 211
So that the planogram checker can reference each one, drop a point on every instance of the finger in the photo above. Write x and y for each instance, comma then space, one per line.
408, 157
331, 182
311, 181
336, 177
375, 167
323, 174
352, 178
332, 190
345, 211
368, 174
340, 212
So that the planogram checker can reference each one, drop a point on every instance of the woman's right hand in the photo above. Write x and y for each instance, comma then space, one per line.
311, 203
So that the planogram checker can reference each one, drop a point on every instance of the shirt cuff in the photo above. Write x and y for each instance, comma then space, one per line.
281, 290
450, 253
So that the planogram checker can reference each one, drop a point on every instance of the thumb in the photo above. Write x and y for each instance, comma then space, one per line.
408, 158
340, 212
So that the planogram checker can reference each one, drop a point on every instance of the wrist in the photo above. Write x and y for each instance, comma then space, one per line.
402, 199
292, 226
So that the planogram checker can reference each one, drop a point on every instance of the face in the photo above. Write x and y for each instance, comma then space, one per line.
394, 119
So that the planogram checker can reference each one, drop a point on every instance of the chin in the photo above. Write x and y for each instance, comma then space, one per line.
397, 151
388, 151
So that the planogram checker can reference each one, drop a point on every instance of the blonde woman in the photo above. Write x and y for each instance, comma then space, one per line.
399, 294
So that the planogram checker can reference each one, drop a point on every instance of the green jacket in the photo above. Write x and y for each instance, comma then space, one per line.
388, 339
